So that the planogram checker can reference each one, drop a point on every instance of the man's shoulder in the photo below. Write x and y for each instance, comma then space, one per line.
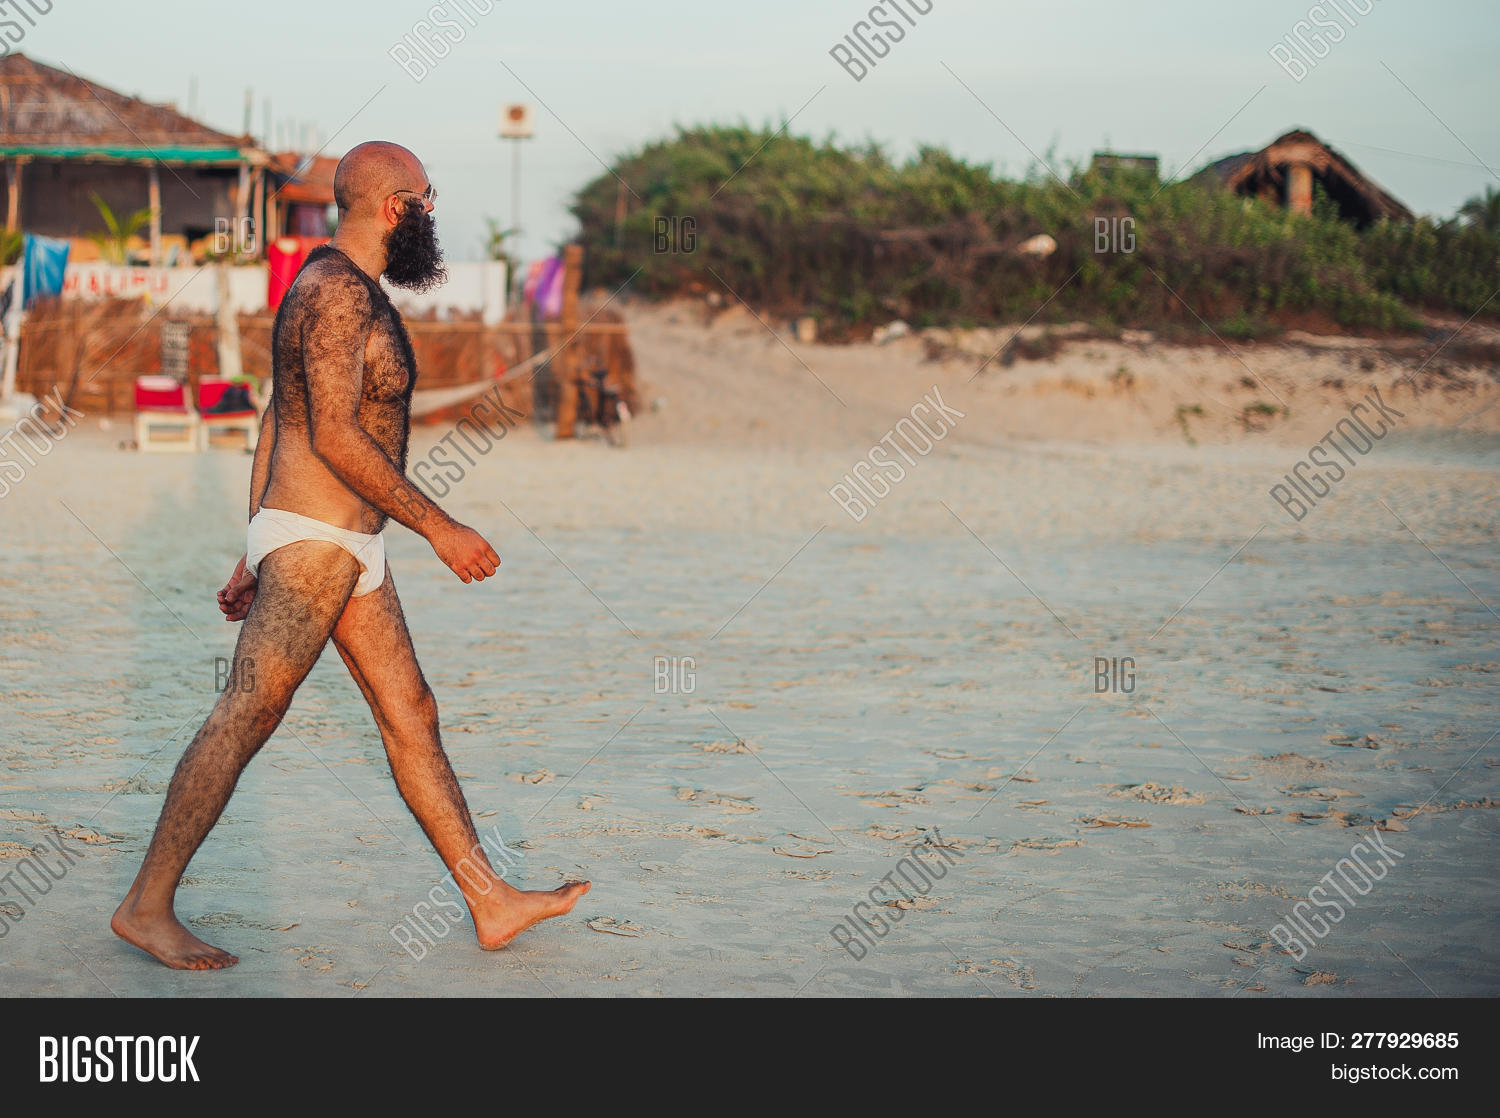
327, 277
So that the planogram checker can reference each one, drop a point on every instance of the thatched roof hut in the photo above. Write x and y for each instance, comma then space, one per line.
46, 109
1284, 171
63, 138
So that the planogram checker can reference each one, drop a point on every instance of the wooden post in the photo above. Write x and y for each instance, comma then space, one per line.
155, 203
257, 214
565, 364
13, 202
1299, 188
231, 364
242, 197
272, 229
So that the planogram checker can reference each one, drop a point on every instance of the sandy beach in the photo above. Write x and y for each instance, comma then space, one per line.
921, 679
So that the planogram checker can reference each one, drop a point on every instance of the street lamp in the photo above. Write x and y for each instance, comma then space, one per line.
515, 124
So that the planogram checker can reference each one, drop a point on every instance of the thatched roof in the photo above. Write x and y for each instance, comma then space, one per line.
53, 113
1262, 174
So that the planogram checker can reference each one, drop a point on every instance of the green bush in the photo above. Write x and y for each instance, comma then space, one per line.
1437, 265
792, 226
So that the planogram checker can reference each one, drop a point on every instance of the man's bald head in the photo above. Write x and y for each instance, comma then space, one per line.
371, 173
385, 232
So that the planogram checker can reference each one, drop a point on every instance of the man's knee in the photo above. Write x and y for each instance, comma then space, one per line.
415, 709
264, 719
237, 729
425, 706
254, 713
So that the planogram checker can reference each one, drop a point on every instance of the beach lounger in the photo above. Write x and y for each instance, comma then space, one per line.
210, 391
164, 419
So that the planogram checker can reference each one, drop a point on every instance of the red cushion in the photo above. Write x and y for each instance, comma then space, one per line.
209, 391
160, 399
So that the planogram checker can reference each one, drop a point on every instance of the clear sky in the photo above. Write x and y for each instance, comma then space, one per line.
1408, 91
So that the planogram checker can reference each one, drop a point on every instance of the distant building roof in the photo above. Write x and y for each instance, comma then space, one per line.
54, 113
1263, 173
1122, 161
309, 179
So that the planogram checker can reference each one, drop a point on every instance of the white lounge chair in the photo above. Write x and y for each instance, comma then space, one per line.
210, 391
164, 418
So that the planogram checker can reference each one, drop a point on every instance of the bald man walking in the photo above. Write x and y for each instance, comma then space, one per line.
328, 473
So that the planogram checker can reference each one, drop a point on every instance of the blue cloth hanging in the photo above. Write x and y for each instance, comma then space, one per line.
46, 261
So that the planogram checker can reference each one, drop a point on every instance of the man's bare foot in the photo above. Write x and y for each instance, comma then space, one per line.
166, 939
500, 918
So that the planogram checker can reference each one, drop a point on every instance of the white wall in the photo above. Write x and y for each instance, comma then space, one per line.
183, 289
472, 286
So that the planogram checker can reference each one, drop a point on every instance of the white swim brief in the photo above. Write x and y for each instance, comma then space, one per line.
274, 528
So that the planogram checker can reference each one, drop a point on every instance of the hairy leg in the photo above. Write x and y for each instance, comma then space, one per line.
301, 593
373, 640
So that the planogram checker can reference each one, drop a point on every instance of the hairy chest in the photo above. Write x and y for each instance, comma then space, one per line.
390, 366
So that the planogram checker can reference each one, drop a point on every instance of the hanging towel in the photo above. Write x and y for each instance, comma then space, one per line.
549, 296
46, 261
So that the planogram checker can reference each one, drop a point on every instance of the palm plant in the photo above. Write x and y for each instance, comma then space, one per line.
495, 244
115, 241
1483, 211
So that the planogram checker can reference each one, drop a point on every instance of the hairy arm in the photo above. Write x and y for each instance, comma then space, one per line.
260, 471
333, 349
239, 591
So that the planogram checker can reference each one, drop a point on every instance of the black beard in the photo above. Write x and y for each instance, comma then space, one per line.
413, 259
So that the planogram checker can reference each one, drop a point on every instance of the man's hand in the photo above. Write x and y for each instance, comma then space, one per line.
465, 551
238, 593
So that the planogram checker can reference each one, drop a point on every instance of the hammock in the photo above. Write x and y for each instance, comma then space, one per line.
424, 401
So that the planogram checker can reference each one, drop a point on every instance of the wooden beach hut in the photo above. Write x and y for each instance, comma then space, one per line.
64, 138
1284, 171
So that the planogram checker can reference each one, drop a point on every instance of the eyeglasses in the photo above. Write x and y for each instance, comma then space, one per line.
428, 196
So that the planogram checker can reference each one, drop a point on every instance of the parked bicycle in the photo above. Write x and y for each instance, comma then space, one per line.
602, 406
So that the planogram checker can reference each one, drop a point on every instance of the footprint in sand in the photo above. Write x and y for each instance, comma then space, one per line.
1320, 978
802, 850
728, 802
1047, 844
1018, 976
89, 835
739, 745
541, 776
1153, 793
889, 833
